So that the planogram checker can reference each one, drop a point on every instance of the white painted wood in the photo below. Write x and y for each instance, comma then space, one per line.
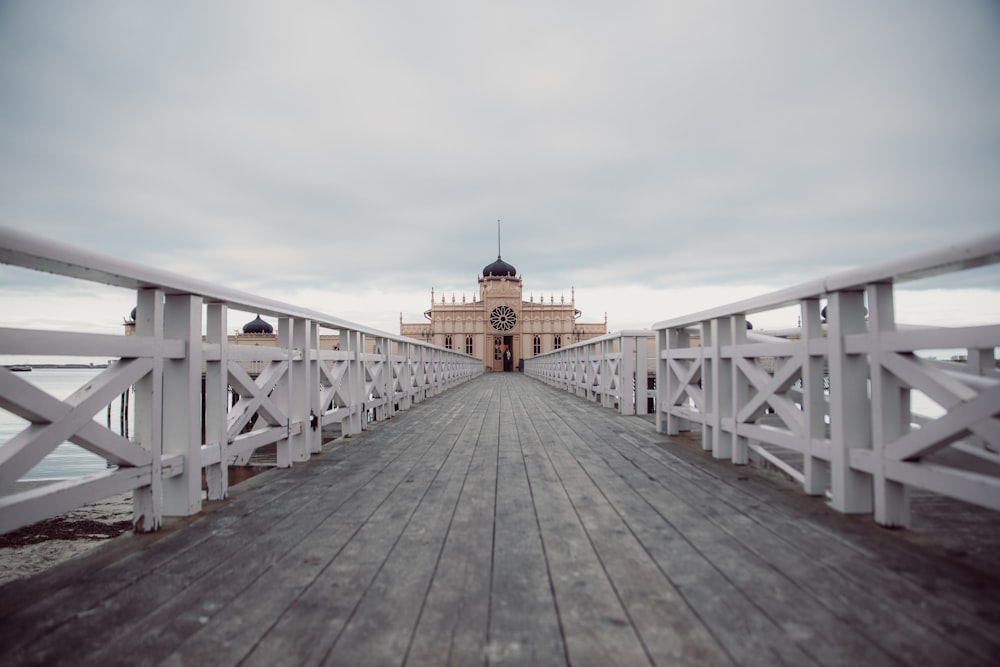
740, 387
890, 413
313, 392
35, 504
147, 499
72, 344
217, 402
910, 449
815, 471
850, 412
182, 404
163, 363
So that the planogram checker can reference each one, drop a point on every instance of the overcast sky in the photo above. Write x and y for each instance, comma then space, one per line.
657, 156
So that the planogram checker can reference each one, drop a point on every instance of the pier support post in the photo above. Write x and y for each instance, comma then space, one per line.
147, 501
850, 418
719, 393
300, 381
890, 410
313, 390
352, 342
216, 401
182, 404
739, 447
631, 393
282, 393
815, 470
405, 374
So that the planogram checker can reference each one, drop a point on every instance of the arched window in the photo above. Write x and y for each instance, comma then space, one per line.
537, 345
557, 342
447, 341
468, 344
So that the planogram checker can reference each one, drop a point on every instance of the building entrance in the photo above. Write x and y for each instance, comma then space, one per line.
503, 354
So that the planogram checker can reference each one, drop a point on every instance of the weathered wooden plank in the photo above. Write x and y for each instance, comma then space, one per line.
119, 596
209, 563
209, 603
524, 625
381, 626
670, 630
888, 590
307, 630
785, 535
596, 626
454, 621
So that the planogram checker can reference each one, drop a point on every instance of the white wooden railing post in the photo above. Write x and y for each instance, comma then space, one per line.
666, 380
631, 392
300, 384
983, 362
388, 378
641, 373
418, 374
282, 393
719, 392
147, 501
182, 404
890, 410
216, 401
313, 390
406, 375
814, 406
849, 403
739, 453
352, 342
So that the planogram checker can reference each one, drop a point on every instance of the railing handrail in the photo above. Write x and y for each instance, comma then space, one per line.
26, 250
956, 257
614, 335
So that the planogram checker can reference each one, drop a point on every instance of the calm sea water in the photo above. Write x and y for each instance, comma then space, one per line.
67, 460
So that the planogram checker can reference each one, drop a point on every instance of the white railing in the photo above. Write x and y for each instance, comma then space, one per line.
613, 370
844, 396
168, 361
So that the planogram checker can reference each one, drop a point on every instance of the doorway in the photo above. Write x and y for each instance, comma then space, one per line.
503, 354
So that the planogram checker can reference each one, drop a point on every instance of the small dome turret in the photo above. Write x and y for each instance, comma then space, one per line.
499, 268
258, 326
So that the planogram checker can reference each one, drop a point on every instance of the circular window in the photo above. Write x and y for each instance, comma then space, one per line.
503, 318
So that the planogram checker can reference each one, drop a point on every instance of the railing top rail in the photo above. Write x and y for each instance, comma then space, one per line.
649, 333
18, 248
957, 257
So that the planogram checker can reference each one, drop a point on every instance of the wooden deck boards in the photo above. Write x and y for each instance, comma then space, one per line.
506, 522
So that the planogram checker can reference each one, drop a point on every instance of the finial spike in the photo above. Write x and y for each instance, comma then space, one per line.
498, 238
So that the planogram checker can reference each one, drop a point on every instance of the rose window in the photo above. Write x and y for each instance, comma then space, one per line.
503, 318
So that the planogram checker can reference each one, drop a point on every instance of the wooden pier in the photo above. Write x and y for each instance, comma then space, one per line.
508, 522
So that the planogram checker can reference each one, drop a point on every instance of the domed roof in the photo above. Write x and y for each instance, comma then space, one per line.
499, 268
258, 326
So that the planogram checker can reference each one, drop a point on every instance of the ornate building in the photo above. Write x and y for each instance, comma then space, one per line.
499, 326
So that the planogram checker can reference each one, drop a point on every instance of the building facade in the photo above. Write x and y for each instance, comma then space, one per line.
499, 325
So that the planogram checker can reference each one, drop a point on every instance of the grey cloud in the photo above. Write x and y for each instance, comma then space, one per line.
663, 144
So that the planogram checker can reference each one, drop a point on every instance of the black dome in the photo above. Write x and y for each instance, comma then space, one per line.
499, 268
258, 326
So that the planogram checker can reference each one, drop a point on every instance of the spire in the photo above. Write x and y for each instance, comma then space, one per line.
498, 238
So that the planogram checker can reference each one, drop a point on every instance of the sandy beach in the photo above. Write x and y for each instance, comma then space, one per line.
34, 548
